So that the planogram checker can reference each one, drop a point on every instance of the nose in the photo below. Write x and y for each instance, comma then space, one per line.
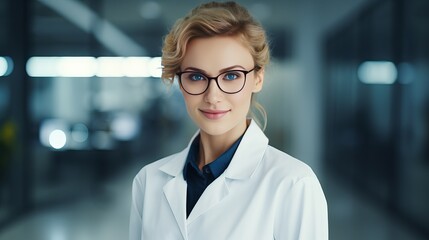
213, 93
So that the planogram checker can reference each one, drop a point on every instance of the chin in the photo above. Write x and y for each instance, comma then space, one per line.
217, 128
214, 129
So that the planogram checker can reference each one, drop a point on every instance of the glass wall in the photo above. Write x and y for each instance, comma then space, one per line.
6, 127
414, 129
377, 104
14, 190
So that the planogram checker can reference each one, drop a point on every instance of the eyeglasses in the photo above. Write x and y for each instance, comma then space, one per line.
196, 83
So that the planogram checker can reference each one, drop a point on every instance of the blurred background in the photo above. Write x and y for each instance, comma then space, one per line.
82, 109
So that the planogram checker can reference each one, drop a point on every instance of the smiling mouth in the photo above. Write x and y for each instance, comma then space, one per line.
214, 114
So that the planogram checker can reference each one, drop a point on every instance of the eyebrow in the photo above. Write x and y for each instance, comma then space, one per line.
220, 71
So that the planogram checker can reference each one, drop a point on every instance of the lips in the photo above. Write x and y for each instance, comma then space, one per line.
214, 114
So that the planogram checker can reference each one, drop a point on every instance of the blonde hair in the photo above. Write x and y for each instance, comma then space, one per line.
216, 19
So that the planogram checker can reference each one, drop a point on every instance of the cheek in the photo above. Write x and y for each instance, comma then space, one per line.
190, 100
242, 100
248, 92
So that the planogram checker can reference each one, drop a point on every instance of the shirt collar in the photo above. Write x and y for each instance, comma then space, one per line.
248, 155
217, 167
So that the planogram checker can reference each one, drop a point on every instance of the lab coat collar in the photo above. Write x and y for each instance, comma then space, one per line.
243, 164
174, 167
249, 153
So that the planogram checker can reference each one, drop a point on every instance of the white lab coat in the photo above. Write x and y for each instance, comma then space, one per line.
263, 194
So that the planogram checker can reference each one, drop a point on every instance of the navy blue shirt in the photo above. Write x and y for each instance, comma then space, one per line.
198, 180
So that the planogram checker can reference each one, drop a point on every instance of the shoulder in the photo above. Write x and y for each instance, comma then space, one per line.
293, 178
298, 197
153, 169
284, 166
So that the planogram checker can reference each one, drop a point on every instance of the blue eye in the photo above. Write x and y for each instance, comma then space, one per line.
195, 76
231, 76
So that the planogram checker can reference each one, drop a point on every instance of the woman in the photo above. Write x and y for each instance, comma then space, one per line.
228, 183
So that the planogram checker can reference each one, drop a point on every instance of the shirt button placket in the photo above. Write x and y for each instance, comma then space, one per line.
206, 171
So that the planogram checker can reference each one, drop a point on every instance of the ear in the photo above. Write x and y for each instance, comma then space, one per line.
259, 80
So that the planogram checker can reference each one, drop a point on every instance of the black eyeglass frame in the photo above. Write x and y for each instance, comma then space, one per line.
245, 72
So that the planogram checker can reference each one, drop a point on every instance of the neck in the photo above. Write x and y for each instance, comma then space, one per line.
212, 146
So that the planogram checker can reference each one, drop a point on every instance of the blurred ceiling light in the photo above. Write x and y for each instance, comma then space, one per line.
57, 139
3, 66
137, 66
76, 66
150, 10
377, 72
105, 32
42, 67
90, 66
110, 67
155, 67
61, 66
6, 66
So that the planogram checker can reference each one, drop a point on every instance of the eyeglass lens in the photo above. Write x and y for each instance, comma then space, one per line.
228, 82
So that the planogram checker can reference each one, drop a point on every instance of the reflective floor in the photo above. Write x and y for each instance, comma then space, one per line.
104, 215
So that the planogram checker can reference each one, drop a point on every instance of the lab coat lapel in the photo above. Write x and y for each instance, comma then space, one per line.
175, 192
175, 189
213, 194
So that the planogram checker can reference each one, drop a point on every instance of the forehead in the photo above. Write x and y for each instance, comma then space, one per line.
214, 53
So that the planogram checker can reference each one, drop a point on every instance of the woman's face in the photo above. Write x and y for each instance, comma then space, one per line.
214, 111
